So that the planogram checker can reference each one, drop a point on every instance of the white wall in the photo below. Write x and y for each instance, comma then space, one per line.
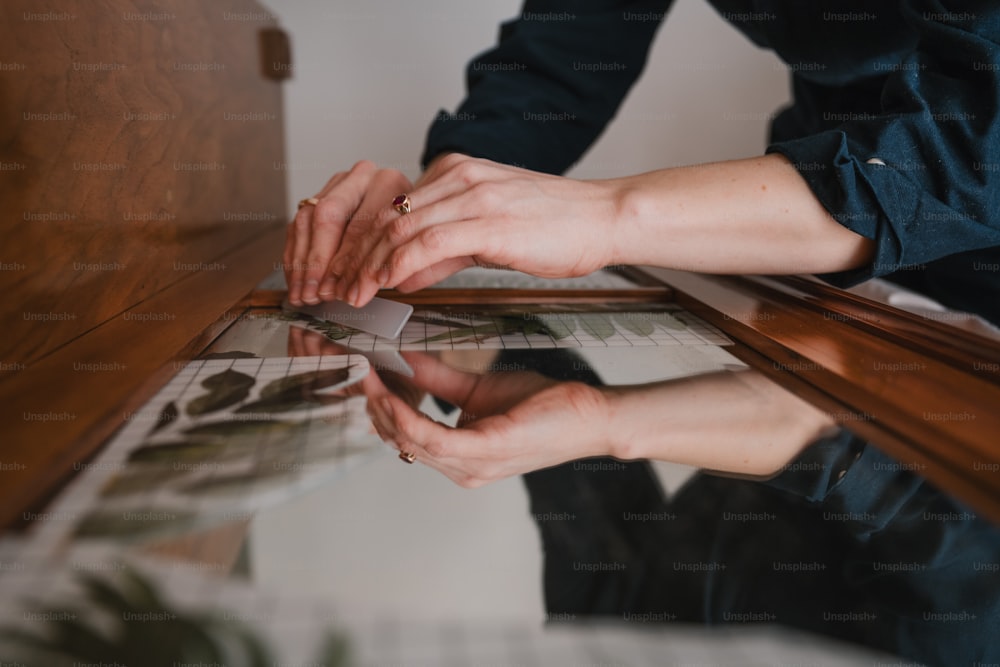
368, 77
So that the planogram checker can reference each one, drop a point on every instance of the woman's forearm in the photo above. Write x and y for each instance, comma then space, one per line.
755, 216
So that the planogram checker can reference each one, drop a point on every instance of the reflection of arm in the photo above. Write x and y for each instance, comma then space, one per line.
732, 422
517, 422
544, 93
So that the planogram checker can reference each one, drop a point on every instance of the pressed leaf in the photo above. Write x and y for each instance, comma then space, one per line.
106, 595
80, 640
168, 414
459, 332
440, 321
258, 654
283, 403
227, 378
234, 354
557, 327
140, 481
597, 326
226, 388
23, 640
331, 330
141, 590
103, 523
671, 322
532, 327
334, 651
237, 427
305, 384
636, 323
186, 451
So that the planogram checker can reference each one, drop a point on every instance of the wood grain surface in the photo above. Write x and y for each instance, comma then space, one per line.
139, 142
143, 196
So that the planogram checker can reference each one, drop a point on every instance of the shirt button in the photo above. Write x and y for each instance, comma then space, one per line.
840, 475
875, 160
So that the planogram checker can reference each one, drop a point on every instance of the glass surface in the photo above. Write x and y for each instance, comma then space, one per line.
251, 511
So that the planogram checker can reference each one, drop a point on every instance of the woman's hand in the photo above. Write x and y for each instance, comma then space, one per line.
512, 422
347, 208
469, 211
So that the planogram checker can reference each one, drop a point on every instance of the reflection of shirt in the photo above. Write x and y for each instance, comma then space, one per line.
895, 123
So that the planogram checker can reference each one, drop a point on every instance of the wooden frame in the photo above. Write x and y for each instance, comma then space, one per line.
131, 220
924, 392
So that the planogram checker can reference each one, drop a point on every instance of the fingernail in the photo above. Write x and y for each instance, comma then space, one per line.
327, 288
387, 406
353, 296
383, 277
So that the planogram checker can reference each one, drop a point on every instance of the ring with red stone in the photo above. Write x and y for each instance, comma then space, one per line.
409, 457
402, 203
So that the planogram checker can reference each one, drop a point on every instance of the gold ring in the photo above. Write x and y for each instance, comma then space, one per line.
402, 203
312, 201
409, 457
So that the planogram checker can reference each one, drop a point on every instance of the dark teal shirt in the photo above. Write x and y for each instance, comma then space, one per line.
895, 123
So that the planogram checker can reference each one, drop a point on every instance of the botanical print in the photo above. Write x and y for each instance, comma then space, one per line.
553, 326
225, 437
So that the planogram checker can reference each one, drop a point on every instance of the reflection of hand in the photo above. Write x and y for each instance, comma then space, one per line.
303, 342
512, 423
348, 206
306, 343
471, 211
736, 422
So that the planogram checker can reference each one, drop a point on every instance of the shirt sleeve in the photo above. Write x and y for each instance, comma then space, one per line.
546, 91
922, 177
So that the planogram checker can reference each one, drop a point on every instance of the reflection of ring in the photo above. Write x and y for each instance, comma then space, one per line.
312, 201
409, 457
402, 203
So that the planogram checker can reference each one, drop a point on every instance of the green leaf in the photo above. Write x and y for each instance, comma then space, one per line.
458, 332
186, 451
140, 481
234, 354
231, 428
638, 323
80, 640
36, 644
102, 523
256, 651
168, 414
305, 384
141, 590
671, 322
439, 321
532, 327
226, 388
557, 327
282, 403
334, 651
105, 595
227, 379
597, 325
